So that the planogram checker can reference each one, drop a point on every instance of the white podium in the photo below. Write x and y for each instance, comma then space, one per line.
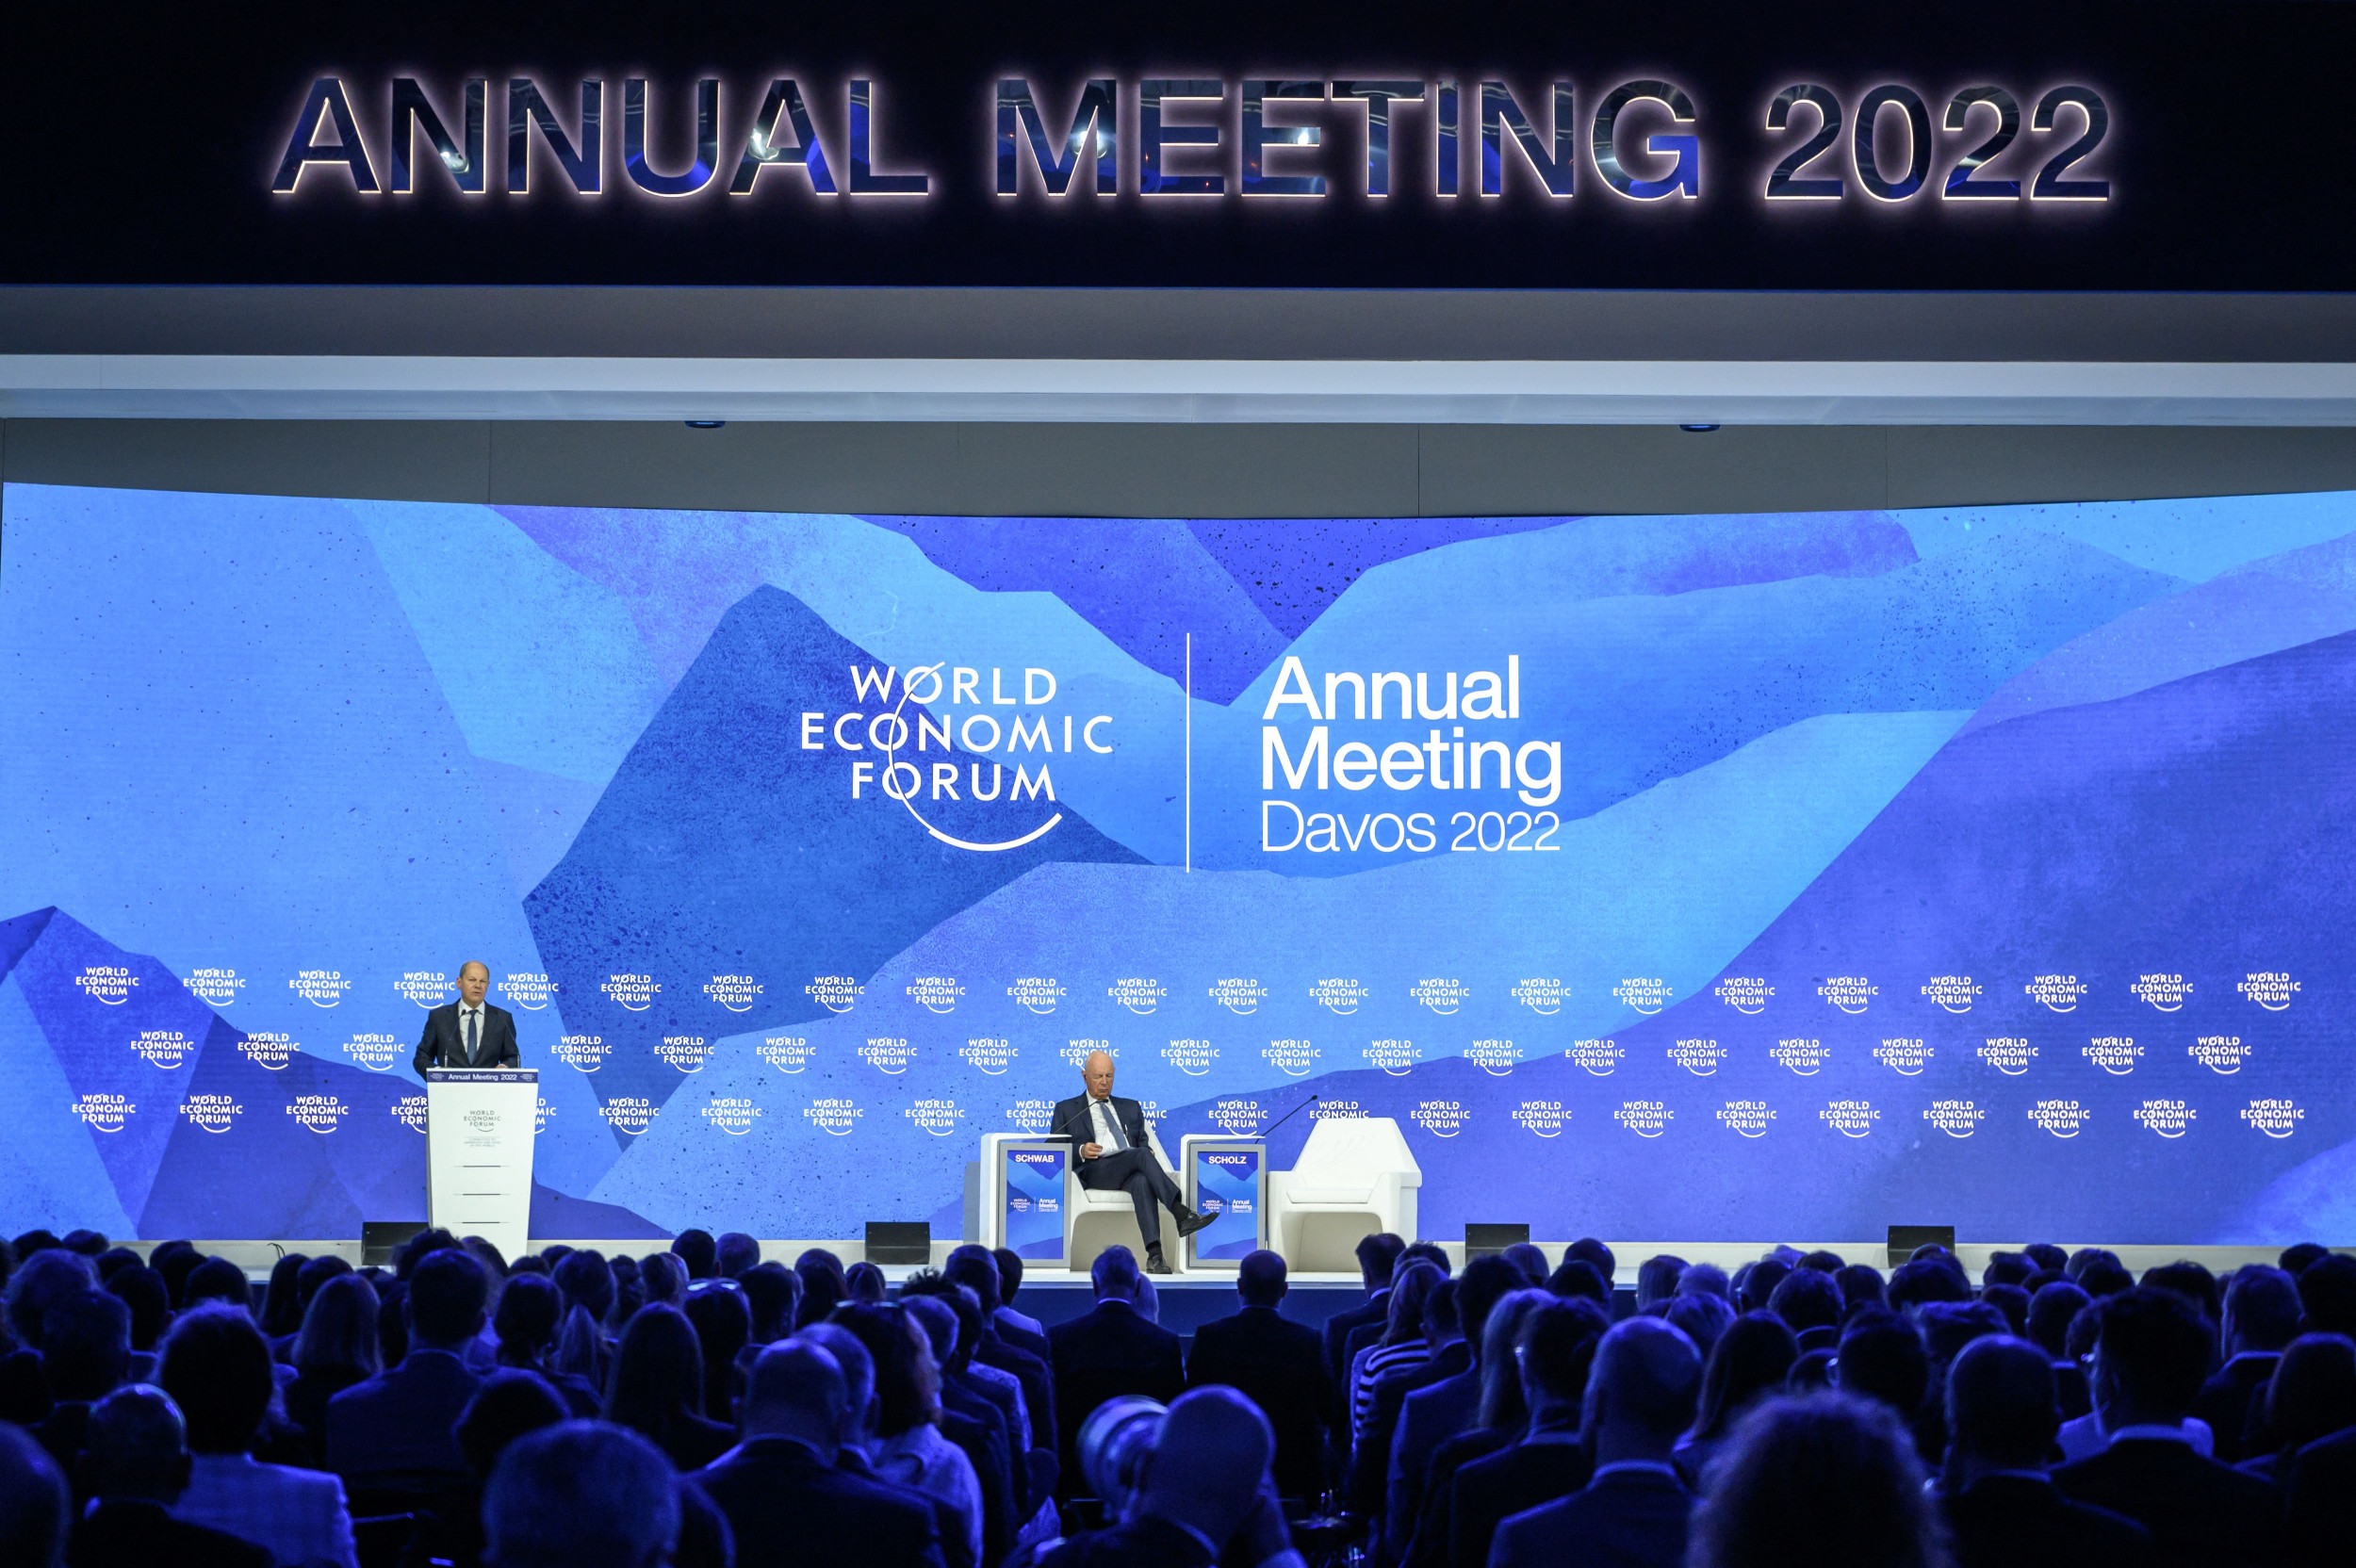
479, 1125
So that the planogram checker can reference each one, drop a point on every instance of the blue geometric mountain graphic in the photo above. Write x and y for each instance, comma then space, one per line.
724, 847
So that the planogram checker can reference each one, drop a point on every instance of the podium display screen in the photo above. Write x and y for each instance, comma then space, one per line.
1032, 1192
1231, 1183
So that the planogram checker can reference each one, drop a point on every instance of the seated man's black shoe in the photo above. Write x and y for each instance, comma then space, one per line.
1190, 1223
1154, 1261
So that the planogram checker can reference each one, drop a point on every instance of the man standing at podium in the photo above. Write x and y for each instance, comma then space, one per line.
1109, 1139
468, 1032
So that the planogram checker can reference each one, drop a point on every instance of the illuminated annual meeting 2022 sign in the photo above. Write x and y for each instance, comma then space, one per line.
1515, 146
1205, 137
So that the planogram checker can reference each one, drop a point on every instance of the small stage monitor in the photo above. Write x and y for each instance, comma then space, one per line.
379, 1239
1904, 1239
1487, 1241
899, 1241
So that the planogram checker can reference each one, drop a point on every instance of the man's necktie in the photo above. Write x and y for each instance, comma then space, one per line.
474, 1017
1112, 1119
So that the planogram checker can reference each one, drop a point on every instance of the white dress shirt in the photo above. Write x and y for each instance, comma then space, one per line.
1108, 1131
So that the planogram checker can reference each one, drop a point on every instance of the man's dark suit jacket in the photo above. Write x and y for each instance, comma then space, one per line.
2198, 1511
2225, 1400
2321, 1495
1021, 1338
1623, 1519
2020, 1520
443, 1043
1428, 1547
1374, 1308
1370, 1464
1110, 1351
1071, 1120
789, 1508
1429, 1418
1039, 1385
139, 1534
1490, 1491
1279, 1366
1139, 1543
394, 1429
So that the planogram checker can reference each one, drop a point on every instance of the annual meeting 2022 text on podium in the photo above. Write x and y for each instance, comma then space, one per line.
479, 1125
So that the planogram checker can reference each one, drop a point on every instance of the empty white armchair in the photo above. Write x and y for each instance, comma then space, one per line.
1355, 1176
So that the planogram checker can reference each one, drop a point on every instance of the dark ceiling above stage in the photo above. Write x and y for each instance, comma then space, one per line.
143, 142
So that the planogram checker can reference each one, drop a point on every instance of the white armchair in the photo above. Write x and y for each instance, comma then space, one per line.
1355, 1177
1108, 1217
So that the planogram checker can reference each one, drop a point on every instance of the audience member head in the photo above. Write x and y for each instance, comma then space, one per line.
1823, 1262
1588, 1249
420, 1247
2190, 1281
1641, 1392
314, 1274
219, 1280
1947, 1327
772, 1291
1937, 1278
1861, 1286
1502, 1408
338, 1333
1378, 1259
1009, 1264
822, 1288
1758, 1284
658, 1372
84, 1345
1702, 1318
1807, 1299
866, 1284
2151, 1352
965, 1317
2003, 1408
724, 1325
737, 1252
581, 1495
136, 1448
979, 1272
2043, 1255
1260, 1279
2105, 1276
1531, 1259
36, 1240
2051, 1312
1705, 1279
796, 1390
41, 1280
819, 1258
2294, 1259
937, 1320
144, 1291
509, 1404
663, 1278
443, 1306
1750, 1360
91, 1244
34, 1505
1410, 1287
2312, 1392
282, 1310
176, 1261
2261, 1311
907, 1386
217, 1368
1485, 1283
1813, 1371
1431, 1253
1882, 1357
1209, 1471
2013, 1303
699, 1251
1657, 1278
2326, 1295
2006, 1269
586, 1281
1440, 1322
1828, 1469
858, 1375
1114, 1275
1578, 1277
529, 1310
